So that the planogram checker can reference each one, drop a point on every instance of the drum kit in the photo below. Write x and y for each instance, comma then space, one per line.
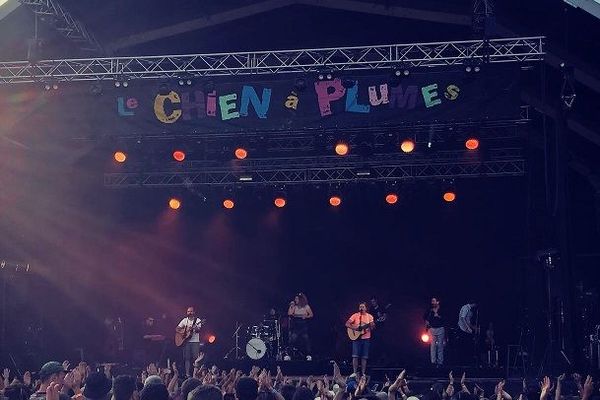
263, 340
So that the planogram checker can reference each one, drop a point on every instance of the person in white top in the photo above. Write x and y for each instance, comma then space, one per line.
191, 349
465, 317
300, 312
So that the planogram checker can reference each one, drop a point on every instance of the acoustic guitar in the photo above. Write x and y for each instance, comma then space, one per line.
182, 335
357, 333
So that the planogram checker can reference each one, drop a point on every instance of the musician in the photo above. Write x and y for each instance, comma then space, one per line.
300, 312
191, 349
154, 341
467, 330
434, 325
361, 321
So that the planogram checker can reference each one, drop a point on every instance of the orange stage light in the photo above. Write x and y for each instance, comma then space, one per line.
472, 144
179, 155
342, 148
120, 156
240, 153
228, 203
279, 202
174, 203
425, 338
407, 145
449, 196
391, 198
335, 201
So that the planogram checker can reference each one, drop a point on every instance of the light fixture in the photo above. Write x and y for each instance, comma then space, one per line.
179, 155
472, 144
342, 148
240, 153
407, 145
335, 200
391, 198
174, 203
120, 156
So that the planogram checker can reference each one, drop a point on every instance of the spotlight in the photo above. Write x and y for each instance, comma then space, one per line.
240, 153
55, 86
407, 145
425, 338
279, 202
47, 86
477, 68
325, 75
117, 84
468, 68
472, 144
406, 72
174, 203
125, 83
181, 82
449, 195
179, 155
120, 156
342, 148
228, 204
391, 198
335, 200
212, 339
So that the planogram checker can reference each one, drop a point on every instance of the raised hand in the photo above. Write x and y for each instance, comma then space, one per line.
52, 391
588, 388
463, 378
66, 364
545, 387
451, 378
152, 370
398, 382
69, 380
27, 378
5, 374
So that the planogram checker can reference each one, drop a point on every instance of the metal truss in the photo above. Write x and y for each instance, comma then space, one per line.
436, 54
53, 13
503, 162
377, 138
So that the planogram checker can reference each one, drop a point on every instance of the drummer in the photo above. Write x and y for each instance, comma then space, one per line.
300, 312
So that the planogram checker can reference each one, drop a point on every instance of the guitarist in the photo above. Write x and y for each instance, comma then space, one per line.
189, 328
361, 323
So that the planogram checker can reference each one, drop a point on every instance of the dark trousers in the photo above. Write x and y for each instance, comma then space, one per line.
299, 336
466, 348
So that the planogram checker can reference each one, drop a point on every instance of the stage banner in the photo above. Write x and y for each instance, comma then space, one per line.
246, 104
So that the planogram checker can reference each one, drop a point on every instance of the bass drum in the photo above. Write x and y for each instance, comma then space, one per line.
256, 349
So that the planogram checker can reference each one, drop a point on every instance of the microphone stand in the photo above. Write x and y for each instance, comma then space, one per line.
236, 348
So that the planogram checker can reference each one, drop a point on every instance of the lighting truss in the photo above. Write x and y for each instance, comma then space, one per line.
435, 54
500, 162
53, 13
380, 138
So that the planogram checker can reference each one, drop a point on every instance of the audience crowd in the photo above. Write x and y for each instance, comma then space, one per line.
57, 381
